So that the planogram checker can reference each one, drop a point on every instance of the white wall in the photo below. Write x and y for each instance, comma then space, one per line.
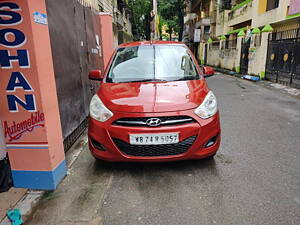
258, 56
225, 58
213, 57
228, 59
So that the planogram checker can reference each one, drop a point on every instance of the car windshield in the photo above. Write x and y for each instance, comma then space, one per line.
152, 63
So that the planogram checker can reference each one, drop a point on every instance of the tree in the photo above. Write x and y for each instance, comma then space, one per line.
140, 18
172, 15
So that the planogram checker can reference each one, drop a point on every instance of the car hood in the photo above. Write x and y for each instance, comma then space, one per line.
153, 96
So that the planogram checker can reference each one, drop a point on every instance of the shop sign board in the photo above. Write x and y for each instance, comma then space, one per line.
20, 97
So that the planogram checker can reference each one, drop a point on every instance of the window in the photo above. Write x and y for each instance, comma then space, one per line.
152, 63
272, 4
206, 29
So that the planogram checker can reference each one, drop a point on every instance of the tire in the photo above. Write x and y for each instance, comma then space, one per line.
211, 156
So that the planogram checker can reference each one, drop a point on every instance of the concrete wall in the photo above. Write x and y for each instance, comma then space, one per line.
110, 6
107, 44
225, 58
258, 56
213, 57
242, 14
269, 17
222, 23
229, 59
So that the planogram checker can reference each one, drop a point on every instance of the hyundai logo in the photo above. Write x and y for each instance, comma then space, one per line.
153, 122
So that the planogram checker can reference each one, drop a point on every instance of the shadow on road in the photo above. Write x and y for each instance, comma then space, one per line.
135, 167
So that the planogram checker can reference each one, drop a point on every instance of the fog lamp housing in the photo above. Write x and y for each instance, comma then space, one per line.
211, 142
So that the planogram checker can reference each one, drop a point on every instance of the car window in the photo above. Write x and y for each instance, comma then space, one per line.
173, 62
132, 63
152, 63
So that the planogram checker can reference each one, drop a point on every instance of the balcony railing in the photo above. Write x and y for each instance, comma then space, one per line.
118, 18
240, 9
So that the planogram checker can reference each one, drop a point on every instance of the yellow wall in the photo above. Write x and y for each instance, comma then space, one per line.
262, 6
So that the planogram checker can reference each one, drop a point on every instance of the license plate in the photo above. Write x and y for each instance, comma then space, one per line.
154, 139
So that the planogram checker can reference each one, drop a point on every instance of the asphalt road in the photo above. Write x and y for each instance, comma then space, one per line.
254, 178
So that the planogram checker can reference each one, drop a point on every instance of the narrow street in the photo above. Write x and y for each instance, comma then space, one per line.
254, 178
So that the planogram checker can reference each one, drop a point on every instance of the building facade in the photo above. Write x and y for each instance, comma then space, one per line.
199, 24
250, 37
122, 27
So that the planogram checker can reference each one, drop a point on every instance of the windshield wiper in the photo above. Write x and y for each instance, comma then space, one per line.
147, 80
187, 78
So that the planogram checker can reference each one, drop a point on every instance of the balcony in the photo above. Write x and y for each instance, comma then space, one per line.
240, 13
203, 22
189, 17
118, 19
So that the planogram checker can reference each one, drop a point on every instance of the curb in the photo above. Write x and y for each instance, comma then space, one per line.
265, 83
229, 72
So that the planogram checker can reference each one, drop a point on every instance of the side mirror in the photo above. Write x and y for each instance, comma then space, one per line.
95, 75
208, 71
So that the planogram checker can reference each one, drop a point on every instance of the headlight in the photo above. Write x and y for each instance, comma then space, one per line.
208, 107
98, 110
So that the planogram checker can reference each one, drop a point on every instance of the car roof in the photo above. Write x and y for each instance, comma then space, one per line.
139, 43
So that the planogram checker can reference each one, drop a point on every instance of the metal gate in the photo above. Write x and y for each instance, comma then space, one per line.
244, 61
283, 58
74, 30
205, 54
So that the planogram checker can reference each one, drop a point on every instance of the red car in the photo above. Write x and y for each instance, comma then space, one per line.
208, 71
153, 105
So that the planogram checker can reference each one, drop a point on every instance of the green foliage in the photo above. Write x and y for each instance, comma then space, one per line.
172, 13
140, 18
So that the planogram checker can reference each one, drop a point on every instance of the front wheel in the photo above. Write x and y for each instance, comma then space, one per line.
211, 156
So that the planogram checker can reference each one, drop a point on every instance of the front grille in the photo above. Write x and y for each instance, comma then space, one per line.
154, 150
142, 121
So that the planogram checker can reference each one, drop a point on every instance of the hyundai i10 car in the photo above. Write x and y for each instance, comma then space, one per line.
153, 105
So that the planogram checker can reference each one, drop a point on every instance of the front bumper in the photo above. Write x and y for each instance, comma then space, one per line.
105, 134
